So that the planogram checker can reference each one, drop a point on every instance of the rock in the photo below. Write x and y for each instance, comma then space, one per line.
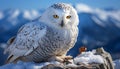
107, 57
108, 63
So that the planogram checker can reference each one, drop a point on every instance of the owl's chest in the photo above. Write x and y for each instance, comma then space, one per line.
57, 42
63, 37
61, 40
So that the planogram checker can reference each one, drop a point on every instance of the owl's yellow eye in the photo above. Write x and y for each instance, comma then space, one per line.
68, 17
55, 16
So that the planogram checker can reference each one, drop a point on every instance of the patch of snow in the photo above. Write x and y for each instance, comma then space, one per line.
117, 64
71, 65
13, 18
102, 14
27, 65
88, 57
15, 14
83, 8
1, 15
27, 14
30, 14
114, 14
35, 13
105, 15
98, 21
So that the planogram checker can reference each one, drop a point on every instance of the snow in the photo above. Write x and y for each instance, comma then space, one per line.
88, 57
30, 14
115, 14
104, 15
14, 17
27, 65
27, 14
35, 13
97, 21
83, 8
15, 13
100, 12
71, 65
85, 57
117, 64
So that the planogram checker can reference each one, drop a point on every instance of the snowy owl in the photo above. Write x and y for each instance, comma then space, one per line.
46, 39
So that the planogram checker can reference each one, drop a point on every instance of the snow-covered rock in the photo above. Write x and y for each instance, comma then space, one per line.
88, 57
87, 60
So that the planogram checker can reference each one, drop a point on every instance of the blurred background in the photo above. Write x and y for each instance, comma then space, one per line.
99, 22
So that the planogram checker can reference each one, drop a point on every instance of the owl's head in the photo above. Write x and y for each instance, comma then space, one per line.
60, 15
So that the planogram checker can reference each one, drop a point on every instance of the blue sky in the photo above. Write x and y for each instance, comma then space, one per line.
37, 4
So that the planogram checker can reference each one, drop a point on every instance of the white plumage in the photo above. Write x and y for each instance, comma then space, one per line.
46, 39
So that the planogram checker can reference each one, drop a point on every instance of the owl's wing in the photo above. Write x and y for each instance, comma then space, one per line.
27, 39
10, 41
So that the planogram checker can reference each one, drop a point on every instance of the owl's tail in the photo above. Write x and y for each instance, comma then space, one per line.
11, 58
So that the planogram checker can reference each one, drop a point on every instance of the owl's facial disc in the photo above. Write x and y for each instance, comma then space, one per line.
61, 18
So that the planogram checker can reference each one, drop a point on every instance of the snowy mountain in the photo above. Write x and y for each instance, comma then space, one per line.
98, 27
11, 20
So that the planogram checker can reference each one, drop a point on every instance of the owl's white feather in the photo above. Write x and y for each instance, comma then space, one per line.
27, 39
52, 35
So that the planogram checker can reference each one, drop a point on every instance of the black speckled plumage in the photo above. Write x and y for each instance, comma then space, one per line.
41, 39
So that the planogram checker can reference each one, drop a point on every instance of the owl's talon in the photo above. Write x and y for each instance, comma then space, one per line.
68, 57
61, 59
56, 58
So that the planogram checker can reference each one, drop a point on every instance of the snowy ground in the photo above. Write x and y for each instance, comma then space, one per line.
26, 65
88, 57
85, 57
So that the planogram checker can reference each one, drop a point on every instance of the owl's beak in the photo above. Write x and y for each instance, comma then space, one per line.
62, 23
